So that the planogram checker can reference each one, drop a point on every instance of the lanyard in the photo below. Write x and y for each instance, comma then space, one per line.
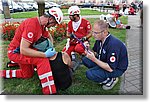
101, 45
99, 55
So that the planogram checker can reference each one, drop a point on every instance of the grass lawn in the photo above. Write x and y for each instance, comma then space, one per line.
80, 86
65, 12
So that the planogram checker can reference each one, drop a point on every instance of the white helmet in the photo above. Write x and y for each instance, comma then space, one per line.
56, 13
73, 10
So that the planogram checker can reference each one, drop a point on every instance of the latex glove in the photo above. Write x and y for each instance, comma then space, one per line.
50, 52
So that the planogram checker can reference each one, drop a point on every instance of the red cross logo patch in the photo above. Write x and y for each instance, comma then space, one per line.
30, 35
112, 59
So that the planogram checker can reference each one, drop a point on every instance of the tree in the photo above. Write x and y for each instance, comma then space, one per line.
6, 9
41, 7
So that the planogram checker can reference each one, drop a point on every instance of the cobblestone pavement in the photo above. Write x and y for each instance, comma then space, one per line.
132, 83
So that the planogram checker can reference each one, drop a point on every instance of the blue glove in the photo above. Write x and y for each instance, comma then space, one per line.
50, 52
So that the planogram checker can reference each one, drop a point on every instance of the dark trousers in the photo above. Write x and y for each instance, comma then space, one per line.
96, 73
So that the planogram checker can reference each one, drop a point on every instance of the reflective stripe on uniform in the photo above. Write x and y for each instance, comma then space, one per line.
7, 73
13, 73
48, 83
45, 75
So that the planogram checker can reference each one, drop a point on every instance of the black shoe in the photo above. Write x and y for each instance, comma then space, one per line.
12, 64
128, 27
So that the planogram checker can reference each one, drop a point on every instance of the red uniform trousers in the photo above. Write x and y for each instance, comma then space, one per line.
74, 47
116, 7
27, 69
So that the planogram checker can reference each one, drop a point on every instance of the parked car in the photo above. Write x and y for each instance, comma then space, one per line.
33, 5
25, 6
10, 7
87, 5
47, 5
67, 5
1, 11
14, 7
1, 8
51, 4
102, 4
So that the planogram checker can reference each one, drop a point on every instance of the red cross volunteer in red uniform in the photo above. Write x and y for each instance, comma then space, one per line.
78, 26
21, 51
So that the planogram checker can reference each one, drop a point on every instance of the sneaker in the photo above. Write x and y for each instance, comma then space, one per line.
128, 27
105, 81
110, 84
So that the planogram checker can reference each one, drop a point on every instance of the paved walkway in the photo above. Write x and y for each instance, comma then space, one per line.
132, 83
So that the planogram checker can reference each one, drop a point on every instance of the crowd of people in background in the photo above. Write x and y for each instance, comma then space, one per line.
132, 8
127, 9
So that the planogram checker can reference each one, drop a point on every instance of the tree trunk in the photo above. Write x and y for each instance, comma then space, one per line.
6, 9
41, 7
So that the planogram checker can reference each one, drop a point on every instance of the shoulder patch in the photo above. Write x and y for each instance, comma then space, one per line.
112, 59
30, 35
